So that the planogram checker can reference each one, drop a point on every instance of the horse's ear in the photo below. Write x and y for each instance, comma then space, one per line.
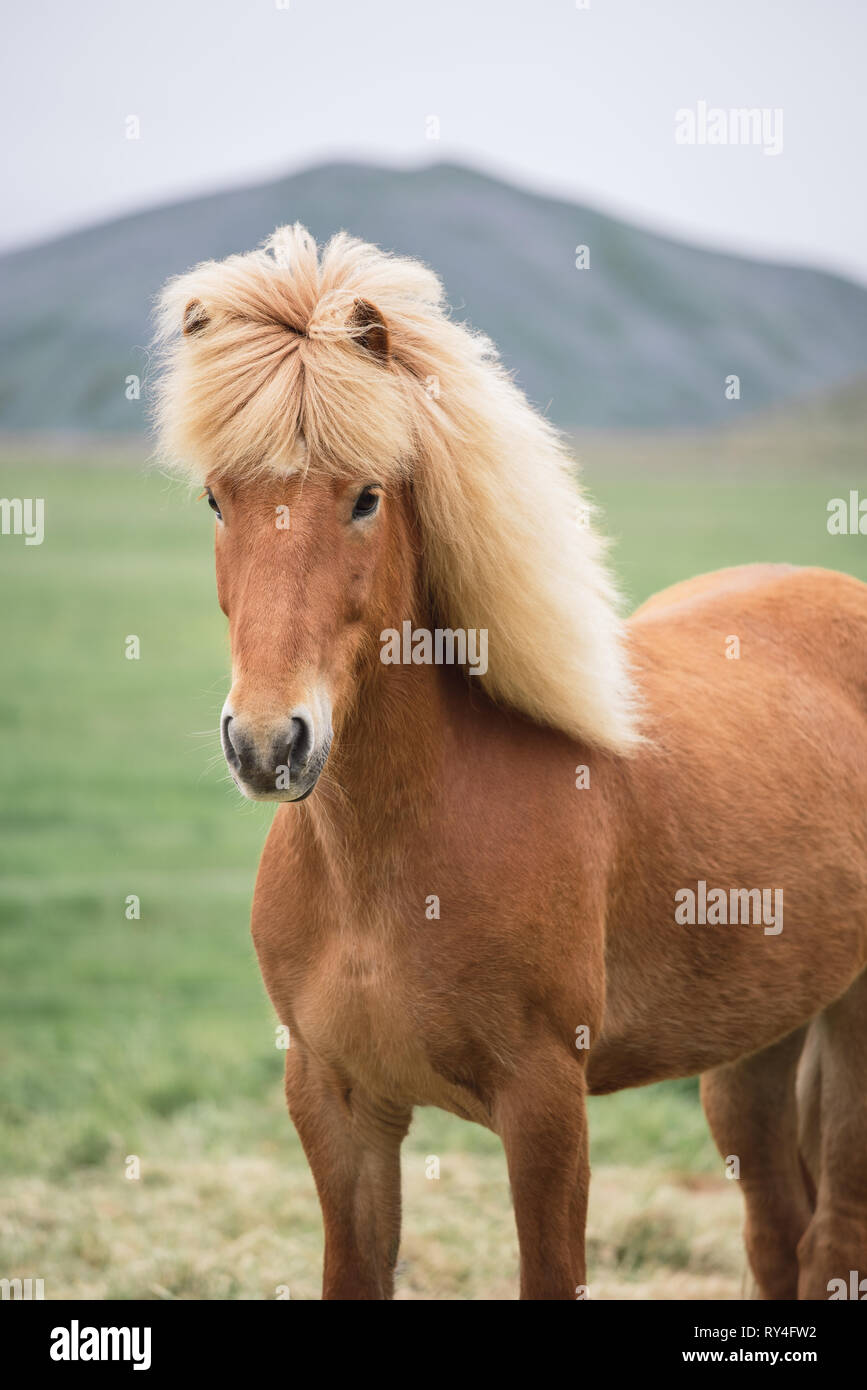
369, 328
195, 317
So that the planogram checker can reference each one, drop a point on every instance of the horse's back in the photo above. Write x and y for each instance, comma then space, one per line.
715, 583
765, 585
811, 621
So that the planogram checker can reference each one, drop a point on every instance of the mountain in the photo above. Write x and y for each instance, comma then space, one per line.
645, 336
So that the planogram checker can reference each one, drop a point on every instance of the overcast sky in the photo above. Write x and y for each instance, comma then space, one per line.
577, 101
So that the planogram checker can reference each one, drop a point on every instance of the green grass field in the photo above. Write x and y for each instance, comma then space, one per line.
153, 1037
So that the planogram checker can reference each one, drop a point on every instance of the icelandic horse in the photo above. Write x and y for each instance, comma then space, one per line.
470, 875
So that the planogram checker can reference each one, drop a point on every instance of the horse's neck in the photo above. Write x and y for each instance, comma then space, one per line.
379, 787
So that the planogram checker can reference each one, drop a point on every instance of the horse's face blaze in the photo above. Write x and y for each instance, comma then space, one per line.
302, 578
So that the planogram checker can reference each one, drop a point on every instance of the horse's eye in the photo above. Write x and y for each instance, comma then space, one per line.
213, 504
366, 503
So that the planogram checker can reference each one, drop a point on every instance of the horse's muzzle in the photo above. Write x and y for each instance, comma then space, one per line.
281, 762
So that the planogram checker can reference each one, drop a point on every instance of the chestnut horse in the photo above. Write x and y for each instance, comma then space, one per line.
620, 853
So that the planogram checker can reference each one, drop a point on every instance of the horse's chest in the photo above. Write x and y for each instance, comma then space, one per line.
354, 1007
366, 1012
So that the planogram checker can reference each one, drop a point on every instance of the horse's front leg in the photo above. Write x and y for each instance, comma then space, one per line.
541, 1119
353, 1147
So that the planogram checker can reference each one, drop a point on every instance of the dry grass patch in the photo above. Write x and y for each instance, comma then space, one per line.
242, 1229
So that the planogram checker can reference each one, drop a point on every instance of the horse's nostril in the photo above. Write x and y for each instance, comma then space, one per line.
229, 748
300, 741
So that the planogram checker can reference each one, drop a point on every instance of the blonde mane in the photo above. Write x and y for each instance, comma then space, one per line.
269, 356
